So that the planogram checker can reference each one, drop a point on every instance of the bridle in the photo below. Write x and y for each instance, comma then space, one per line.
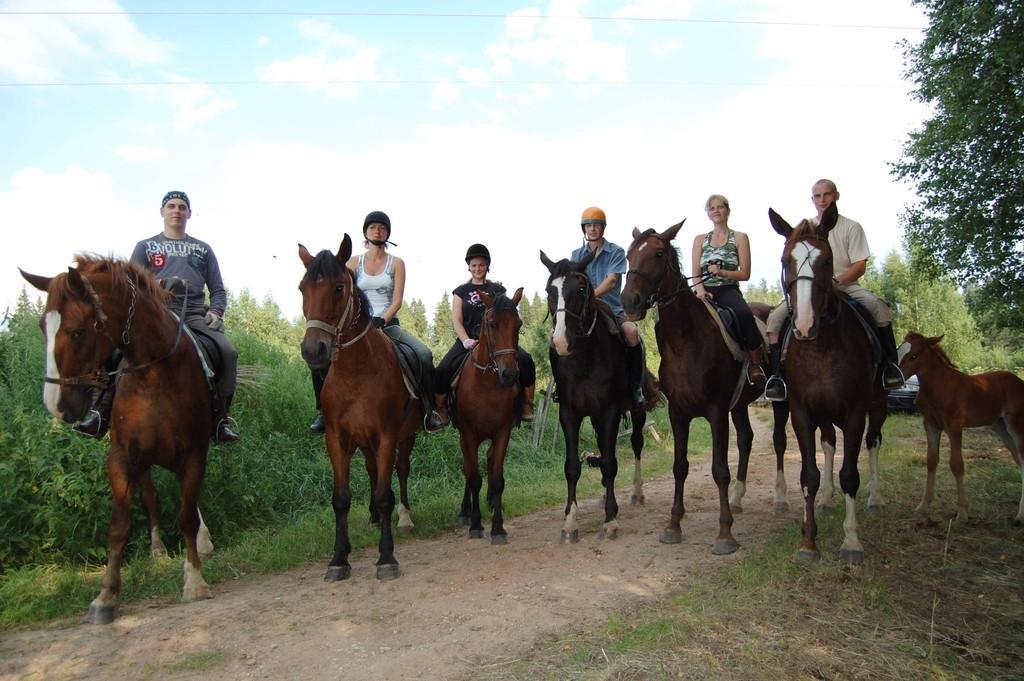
492, 352
581, 316
787, 286
353, 307
99, 378
681, 281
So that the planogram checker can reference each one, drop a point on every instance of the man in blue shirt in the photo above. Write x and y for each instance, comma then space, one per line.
605, 272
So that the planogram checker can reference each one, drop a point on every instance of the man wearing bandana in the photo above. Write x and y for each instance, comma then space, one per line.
173, 256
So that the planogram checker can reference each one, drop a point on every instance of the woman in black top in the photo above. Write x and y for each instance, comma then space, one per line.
467, 317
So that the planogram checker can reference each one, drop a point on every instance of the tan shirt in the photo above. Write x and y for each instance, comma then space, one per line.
848, 244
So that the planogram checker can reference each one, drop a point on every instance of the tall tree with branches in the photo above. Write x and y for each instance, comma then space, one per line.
967, 161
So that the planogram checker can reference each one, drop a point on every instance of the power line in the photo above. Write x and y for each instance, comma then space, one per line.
461, 15
364, 82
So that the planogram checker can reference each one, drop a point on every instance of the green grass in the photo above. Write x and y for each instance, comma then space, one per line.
534, 479
932, 600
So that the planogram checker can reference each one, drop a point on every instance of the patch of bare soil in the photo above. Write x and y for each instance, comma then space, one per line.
460, 604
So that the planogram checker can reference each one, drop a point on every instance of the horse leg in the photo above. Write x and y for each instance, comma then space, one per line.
496, 484
384, 498
340, 449
195, 587
934, 436
810, 480
607, 434
471, 471
672, 534
104, 608
851, 550
370, 462
573, 467
403, 465
1011, 430
204, 542
636, 439
744, 442
877, 412
725, 543
956, 465
780, 410
147, 492
828, 455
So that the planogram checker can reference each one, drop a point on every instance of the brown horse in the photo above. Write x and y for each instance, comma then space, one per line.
698, 373
830, 373
486, 398
161, 413
364, 399
950, 401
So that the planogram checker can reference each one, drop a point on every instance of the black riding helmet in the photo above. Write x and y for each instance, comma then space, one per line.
377, 216
478, 251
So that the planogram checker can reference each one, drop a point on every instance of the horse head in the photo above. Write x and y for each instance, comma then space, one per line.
654, 274
806, 270
327, 301
499, 337
82, 304
570, 301
917, 351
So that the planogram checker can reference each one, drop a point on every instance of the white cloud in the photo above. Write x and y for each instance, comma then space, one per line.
48, 47
663, 48
325, 34
332, 76
652, 9
445, 93
474, 75
263, 40
140, 154
195, 102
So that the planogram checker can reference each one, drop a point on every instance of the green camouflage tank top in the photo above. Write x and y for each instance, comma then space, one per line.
727, 254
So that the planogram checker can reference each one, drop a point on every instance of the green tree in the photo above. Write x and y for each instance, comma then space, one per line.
442, 333
967, 161
416, 319
761, 292
263, 320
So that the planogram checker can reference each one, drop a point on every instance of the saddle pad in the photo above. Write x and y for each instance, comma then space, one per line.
409, 361
737, 352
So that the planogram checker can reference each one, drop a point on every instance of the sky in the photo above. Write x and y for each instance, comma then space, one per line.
494, 122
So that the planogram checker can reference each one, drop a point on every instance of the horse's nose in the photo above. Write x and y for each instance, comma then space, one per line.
507, 377
631, 302
316, 353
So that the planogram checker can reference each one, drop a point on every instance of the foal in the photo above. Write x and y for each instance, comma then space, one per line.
950, 401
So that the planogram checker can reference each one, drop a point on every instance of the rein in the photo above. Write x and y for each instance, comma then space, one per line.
102, 379
582, 316
681, 285
336, 332
787, 287
492, 354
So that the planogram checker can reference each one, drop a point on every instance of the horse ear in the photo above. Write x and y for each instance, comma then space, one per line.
829, 218
486, 297
304, 256
636, 233
77, 284
40, 282
671, 232
781, 227
518, 295
345, 250
547, 262
936, 340
582, 264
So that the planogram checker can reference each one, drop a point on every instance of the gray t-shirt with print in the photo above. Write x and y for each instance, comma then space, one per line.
190, 259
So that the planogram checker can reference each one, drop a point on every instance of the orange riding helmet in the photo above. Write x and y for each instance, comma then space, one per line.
592, 216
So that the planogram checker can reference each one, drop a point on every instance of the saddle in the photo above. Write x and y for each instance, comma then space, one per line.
730, 329
408, 360
207, 349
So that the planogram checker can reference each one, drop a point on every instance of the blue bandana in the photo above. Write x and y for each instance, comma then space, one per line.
176, 195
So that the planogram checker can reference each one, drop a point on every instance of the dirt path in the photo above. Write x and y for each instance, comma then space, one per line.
459, 604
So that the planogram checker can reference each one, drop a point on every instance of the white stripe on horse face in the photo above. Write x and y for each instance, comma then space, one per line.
51, 391
558, 335
806, 255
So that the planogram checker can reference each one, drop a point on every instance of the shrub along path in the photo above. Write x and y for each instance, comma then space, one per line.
460, 604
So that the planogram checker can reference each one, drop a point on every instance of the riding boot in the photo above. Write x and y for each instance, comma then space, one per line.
553, 359
97, 422
775, 388
755, 370
434, 418
319, 376
527, 412
635, 366
317, 426
222, 432
892, 377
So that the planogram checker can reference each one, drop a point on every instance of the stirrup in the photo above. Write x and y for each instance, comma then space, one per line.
772, 385
225, 423
101, 426
891, 380
441, 423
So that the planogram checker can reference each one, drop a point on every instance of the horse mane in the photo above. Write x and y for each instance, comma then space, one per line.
936, 350
119, 272
673, 253
804, 230
325, 265
562, 268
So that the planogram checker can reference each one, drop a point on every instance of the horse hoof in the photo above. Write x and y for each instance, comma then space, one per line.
476, 534
388, 571
735, 508
636, 500
499, 539
197, 594
807, 557
851, 557
780, 507
101, 614
463, 521
336, 573
671, 537
609, 534
572, 537
406, 530
875, 510
161, 554
723, 547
